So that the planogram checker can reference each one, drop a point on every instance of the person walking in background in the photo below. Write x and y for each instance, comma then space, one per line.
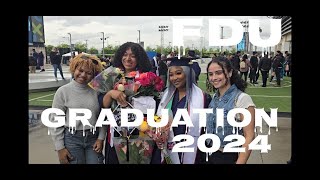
229, 94
32, 64
253, 68
244, 67
41, 61
277, 67
195, 65
264, 67
163, 69
79, 144
154, 63
235, 61
55, 59
288, 66
35, 56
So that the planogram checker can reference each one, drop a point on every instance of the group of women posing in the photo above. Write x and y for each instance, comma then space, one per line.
182, 92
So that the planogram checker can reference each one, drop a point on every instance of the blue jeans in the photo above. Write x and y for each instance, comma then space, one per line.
55, 67
81, 147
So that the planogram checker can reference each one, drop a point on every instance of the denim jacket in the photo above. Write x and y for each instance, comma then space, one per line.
227, 102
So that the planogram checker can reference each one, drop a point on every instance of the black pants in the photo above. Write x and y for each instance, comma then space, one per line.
245, 75
219, 157
264, 77
278, 71
253, 78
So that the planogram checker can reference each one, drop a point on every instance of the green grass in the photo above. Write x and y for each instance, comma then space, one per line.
269, 97
275, 97
45, 100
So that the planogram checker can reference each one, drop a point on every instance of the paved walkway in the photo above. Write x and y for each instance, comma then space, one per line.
42, 81
41, 149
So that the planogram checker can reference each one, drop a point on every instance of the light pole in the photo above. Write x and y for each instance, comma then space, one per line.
86, 45
162, 29
107, 41
255, 47
70, 44
139, 36
103, 43
221, 38
201, 45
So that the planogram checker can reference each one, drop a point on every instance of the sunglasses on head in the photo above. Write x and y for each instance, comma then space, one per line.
95, 62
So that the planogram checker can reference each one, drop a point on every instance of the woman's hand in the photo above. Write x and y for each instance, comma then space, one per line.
64, 156
98, 146
119, 96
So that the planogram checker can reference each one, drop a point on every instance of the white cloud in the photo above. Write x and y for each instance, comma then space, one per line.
121, 29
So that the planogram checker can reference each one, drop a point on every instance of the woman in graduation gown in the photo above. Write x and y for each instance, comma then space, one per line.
182, 93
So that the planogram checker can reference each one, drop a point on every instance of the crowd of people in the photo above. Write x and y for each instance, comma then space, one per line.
224, 80
270, 67
36, 61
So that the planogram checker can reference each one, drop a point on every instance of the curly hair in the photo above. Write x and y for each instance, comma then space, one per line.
87, 61
143, 63
225, 64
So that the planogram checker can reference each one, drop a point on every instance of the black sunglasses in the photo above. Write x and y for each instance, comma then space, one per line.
95, 62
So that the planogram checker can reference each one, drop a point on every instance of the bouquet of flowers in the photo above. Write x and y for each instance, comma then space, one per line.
134, 149
140, 89
159, 135
104, 81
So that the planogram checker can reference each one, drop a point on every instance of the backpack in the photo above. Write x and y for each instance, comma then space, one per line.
242, 65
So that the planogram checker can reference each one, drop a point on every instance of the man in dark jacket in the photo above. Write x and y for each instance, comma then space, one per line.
277, 66
195, 64
264, 67
163, 69
35, 56
236, 61
55, 59
253, 68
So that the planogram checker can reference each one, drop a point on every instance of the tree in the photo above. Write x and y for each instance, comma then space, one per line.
233, 50
149, 48
80, 47
158, 49
62, 46
48, 49
93, 50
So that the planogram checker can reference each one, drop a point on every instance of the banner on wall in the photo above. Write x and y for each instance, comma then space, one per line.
36, 23
241, 45
29, 31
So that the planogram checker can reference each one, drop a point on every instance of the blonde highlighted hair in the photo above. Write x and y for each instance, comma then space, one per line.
87, 61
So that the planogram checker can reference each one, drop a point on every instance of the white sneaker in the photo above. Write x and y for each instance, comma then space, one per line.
56, 79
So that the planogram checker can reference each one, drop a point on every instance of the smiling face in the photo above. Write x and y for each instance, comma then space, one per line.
217, 77
129, 61
83, 75
177, 77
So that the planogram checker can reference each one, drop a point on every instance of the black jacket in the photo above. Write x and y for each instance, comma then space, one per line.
55, 58
254, 62
265, 64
